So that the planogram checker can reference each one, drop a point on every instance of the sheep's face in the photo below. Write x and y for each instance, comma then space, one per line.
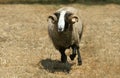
63, 20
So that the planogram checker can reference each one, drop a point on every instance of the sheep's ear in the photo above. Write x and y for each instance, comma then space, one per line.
53, 18
74, 19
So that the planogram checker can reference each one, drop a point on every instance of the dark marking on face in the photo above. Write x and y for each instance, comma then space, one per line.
63, 20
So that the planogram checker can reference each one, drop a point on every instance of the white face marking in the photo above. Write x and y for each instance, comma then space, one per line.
61, 21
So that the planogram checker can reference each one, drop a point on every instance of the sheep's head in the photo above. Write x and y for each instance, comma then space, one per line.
63, 19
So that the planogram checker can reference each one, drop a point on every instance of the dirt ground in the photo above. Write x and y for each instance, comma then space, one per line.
27, 52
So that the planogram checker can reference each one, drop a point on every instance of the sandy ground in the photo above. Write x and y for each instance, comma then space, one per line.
27, 52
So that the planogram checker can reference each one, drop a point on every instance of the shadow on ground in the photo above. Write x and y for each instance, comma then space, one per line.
55, 65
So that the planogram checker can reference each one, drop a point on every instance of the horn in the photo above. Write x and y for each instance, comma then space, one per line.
73, 18
53, 17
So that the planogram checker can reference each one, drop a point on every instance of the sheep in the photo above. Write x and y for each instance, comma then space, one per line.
65, 30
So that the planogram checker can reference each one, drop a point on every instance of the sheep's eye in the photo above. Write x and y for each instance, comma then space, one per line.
67, 16
57, 15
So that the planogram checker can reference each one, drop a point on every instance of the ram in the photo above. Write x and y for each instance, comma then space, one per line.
65, 30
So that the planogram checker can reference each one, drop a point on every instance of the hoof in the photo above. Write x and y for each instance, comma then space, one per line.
79, 62
72, 56
63, 59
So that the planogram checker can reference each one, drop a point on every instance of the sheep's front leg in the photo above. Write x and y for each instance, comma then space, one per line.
63, 55
72, 56
79, 57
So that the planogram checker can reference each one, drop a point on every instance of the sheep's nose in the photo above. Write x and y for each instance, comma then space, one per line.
60, 29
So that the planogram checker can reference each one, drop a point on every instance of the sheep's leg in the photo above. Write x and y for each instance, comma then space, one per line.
63, 55
79, 57
72, 56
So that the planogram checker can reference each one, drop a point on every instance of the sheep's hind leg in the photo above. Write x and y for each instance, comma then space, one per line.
63, 55
79, 57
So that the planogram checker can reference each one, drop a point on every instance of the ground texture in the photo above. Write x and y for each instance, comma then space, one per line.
27, 52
